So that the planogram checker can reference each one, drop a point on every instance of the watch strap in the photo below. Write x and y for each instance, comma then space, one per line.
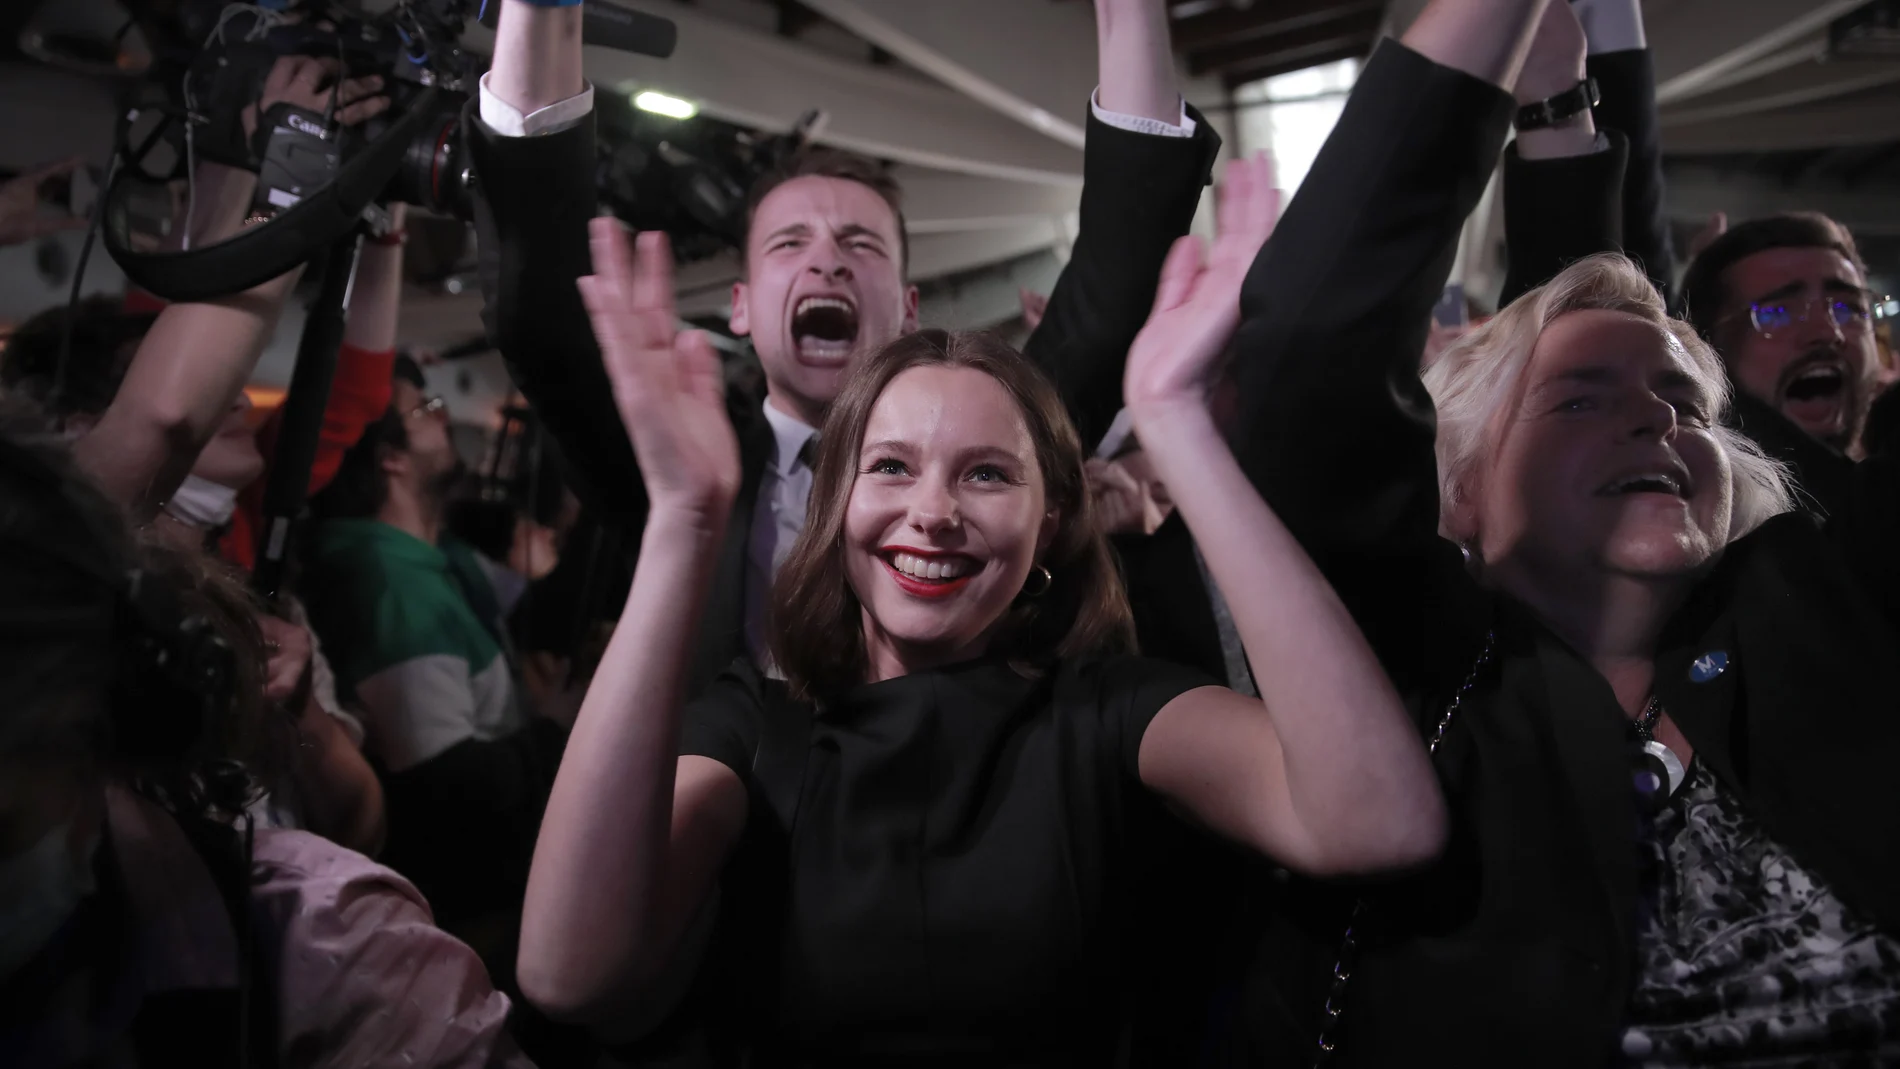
1565, 105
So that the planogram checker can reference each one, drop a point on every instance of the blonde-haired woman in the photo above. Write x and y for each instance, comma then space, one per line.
1662, 706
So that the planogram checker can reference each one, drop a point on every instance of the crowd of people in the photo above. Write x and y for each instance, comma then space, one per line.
1244, 673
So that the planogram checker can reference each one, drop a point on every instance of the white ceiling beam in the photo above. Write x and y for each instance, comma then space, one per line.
1033, 62
991, 297
1698, 43
1867, 118
1805, 51
1791, 88
938, 202
764, 81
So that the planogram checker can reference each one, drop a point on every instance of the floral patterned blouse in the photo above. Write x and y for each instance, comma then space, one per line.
1747, 958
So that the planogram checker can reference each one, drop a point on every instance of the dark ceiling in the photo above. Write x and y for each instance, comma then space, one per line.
1244, 40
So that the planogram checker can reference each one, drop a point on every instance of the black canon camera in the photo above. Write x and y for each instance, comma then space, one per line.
414, 47
317, 179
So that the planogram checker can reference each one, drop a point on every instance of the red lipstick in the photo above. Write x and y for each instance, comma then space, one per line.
923, 588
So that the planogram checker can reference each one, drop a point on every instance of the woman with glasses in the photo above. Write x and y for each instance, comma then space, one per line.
1661, 705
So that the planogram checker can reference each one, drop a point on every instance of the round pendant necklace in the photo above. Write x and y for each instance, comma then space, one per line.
1664, 764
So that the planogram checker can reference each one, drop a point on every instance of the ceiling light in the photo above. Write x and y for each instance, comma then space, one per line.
661, 104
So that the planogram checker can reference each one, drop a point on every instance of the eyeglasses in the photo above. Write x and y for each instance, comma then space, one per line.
431, 406
1847, 313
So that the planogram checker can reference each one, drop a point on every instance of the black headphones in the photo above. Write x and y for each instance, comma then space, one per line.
176, 674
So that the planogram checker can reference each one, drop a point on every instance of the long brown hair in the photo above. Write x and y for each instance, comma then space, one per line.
816, 625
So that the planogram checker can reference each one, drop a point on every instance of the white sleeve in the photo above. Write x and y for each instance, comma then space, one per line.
501, 116
1137, 123
418, 708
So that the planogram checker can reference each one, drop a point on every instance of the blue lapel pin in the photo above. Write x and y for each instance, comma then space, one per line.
1708, 666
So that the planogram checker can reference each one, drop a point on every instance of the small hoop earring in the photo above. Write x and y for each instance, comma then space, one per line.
1472, 560
1033, 588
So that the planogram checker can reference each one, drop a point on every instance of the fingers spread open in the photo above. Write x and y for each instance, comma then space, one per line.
629, 300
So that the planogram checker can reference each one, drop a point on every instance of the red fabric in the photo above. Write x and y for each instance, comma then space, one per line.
358, 397
139, 300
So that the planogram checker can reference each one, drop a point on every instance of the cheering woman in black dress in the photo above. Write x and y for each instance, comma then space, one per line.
917, 833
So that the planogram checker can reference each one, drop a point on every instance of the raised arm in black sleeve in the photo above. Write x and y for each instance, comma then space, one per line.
1335, 428
1139, 194
537, 198
1561, 210
1627, 80
1558, 211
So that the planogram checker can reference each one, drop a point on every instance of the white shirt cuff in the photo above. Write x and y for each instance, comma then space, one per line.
1140, 124
502, 117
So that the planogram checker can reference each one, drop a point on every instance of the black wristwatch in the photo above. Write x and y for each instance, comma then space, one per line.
1565, 105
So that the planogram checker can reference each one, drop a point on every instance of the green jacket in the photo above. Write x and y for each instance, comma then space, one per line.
399, 620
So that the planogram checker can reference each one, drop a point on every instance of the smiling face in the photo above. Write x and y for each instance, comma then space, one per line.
946, 516
1608, 465
1818, 372
824, 286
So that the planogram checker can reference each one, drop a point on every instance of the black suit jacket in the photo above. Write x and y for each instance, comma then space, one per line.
1627, 80
1558, 211
1140, 192
1517, 946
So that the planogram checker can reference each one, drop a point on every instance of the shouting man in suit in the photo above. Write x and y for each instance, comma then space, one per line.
825, 282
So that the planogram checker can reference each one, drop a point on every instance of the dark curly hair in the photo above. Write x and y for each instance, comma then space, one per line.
104, 337
69, 639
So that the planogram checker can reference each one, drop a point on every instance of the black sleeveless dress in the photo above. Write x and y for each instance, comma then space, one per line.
958, 880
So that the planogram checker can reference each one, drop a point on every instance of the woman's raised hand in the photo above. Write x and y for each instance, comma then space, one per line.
667, 383
1197, 305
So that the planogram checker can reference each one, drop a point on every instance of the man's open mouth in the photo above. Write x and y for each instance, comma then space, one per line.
1815, 395
825, 328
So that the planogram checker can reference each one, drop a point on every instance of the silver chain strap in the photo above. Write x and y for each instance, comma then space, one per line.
1328, 1042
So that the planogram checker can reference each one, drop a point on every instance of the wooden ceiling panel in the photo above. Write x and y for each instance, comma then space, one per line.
1356, 27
